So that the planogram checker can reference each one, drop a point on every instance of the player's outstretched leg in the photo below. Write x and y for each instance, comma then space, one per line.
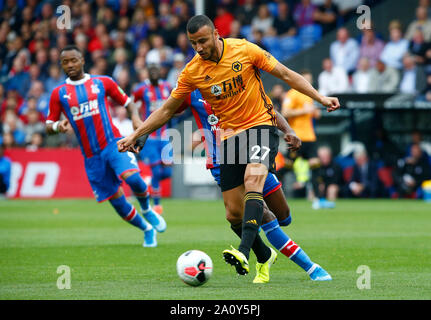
128, 212
140, 190
290, 249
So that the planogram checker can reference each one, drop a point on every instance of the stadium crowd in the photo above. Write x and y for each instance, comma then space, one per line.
120, 38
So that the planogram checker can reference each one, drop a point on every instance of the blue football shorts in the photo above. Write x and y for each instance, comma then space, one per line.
104, 170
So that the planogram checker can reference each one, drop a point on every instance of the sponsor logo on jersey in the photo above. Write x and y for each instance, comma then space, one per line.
84, 110
230, 87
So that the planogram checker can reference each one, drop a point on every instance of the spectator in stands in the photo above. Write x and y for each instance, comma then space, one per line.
19, 78
8, 140
5, 171
344, 52
364, 182
361, 77
283, 22
124, 79
160, 53
416, 138
327, 179
411, 172
235, 30
246, 12
421, 50
179, 64
15, 127
395, 49
223, 20
263, 21
422, 23
258, 39
56, 77
37, 91
332, 79
33, 125
121, 62
138, 26
36, 141
326, 15
304, 13
183, 47
371, 47
384, 79
413, 77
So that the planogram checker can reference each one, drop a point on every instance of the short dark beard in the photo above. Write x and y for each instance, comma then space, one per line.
79, 76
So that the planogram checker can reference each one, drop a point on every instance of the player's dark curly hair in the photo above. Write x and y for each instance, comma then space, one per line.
70, 47
197, 22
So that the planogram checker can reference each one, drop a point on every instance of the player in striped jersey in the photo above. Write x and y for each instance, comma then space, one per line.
83, 99
273, 195
149, 96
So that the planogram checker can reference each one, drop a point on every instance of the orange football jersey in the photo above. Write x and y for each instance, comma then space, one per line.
302, 125
232, 86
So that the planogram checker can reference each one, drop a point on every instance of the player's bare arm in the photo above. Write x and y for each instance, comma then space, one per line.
156, 120
289, 134
133, 114
298, 82
60, 126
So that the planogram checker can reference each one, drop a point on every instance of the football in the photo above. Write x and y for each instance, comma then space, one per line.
194, 267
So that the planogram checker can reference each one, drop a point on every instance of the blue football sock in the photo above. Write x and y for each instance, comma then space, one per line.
128, 212
285, 222
285, 245
140, 189
155, 183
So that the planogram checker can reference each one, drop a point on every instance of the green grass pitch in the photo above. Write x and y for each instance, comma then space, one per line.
107, 260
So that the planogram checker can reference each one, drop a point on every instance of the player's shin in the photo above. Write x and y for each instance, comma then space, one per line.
128, 212
253, 214
140, 189
285, 245
259, 248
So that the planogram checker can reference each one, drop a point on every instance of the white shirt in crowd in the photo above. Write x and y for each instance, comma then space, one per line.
345, 55
335, 81
393, 53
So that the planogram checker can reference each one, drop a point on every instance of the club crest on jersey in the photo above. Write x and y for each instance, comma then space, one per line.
84, 110
213, 121
237, 66
95, 89
216, 90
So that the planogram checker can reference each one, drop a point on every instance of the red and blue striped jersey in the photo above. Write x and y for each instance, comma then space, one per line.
85, 104
151, 98
208, 125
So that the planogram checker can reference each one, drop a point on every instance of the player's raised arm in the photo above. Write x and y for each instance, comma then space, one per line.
299, 83
156, 120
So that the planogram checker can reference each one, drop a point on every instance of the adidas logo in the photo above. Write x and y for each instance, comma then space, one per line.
207, 78
252, 222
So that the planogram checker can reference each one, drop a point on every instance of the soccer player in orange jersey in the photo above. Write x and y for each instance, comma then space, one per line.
226, 72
